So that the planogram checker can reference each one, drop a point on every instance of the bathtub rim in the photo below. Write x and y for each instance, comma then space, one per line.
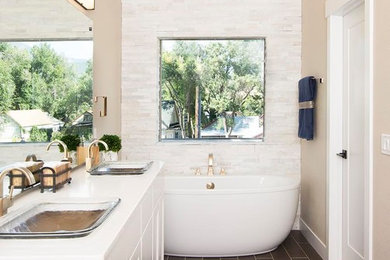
294, 185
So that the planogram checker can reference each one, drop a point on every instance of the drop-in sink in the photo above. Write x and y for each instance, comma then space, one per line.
56, 220
121, 168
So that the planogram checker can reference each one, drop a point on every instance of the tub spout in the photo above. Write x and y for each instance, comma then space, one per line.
210, 168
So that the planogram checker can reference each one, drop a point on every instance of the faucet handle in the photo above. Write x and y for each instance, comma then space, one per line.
222, 172
211, 159
197, 172
11, 192
7, 202
67, 159
210, 171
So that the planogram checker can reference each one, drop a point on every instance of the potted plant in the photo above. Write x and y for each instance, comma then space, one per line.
114, 144
71, 141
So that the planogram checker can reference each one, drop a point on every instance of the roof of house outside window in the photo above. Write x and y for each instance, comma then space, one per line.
85, 119
244, 127
34, 117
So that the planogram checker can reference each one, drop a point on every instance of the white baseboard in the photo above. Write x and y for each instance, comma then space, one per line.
314, 240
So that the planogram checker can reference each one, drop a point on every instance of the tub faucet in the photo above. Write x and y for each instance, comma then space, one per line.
210, 168
6, 201
88, 160
66, 152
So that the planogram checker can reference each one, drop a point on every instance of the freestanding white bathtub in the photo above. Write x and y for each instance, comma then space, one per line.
242, 215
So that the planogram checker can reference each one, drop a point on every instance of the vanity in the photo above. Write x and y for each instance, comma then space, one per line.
133, 230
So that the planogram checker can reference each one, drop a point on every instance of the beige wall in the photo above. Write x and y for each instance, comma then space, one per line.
381, 125
107, 23
333, 5
313, 165
42, 19
145, 21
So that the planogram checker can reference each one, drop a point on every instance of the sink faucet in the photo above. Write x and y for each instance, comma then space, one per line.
210, 168
31, 157
6, 201
88, 160
66, 152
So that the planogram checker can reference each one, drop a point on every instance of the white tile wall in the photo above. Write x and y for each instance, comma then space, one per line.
145, 21
17, 152
42, 19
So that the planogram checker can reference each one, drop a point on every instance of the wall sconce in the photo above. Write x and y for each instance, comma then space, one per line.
104, 112
86, 4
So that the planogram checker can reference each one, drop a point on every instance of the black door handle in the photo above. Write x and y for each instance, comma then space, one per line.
343, 154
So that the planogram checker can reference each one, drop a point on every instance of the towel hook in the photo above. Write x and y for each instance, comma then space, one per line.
320, 80
104, 112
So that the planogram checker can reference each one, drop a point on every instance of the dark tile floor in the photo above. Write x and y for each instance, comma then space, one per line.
295, 247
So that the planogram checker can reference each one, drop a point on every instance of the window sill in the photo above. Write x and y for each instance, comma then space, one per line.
211, 142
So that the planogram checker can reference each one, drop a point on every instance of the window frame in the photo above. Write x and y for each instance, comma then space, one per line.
209, 140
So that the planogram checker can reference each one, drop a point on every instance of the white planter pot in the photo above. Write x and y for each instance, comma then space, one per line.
109, 156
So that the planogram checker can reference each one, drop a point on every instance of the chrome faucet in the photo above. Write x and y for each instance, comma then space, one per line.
6, 201
88, 160
210, 168
66, 152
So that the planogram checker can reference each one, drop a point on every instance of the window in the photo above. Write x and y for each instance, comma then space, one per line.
45, 90
212, 89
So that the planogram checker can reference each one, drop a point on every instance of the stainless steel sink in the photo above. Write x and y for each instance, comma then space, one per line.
56, 220
121, 168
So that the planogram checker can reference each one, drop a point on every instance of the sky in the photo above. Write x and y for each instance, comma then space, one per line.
167, 45
69, 49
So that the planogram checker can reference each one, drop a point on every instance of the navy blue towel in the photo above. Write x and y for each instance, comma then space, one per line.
307, 92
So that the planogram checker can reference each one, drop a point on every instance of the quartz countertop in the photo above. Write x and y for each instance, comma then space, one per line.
84, 187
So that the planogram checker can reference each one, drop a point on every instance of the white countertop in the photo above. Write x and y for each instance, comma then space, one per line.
84, 187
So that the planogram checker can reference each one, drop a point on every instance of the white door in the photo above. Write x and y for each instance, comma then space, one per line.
354, 134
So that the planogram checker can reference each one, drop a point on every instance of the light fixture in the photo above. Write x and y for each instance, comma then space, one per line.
86, 4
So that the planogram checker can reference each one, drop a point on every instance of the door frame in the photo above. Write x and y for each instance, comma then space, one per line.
334, 15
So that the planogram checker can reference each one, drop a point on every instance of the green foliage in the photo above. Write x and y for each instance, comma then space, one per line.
38, 135
114, 143
7, 87
54, 79
229, 75
72, 141
56, 136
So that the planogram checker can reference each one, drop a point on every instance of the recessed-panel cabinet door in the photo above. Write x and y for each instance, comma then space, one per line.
158, 244
147, 242
137, 253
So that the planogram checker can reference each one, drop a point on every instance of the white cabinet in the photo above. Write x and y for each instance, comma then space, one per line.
137, 253
158, 231
147, 242
151, 241
142, 236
